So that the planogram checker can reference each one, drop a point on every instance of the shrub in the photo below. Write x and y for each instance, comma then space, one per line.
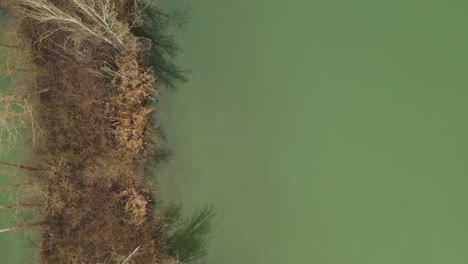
187, 239
163, 48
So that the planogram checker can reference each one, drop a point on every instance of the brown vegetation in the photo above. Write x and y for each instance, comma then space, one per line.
88, 92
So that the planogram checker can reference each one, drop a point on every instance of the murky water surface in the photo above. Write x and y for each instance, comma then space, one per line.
322, 131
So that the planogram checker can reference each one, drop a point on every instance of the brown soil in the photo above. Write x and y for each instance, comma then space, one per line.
91, 103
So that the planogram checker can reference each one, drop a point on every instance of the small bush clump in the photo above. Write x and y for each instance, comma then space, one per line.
187, 238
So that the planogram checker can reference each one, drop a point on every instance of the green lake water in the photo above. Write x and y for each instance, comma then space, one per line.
324, 131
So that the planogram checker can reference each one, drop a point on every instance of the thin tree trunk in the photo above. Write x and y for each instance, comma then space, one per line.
20, 227
17, 205
13, 185
8, 229
11, 46
19, 166
17, 69
131, 255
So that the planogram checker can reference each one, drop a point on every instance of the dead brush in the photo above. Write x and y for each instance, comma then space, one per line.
17, 102
15, 57
61, 191
84, 20
23, 205
54, 168
128, 111
16, 114
109, 170
136, 205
